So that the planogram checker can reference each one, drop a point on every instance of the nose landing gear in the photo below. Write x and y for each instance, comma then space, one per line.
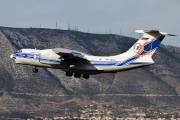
35, 70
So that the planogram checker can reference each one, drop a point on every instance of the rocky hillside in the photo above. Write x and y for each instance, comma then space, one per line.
143, 86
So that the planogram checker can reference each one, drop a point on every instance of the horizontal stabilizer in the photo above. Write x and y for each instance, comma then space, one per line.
154, 31
163, 33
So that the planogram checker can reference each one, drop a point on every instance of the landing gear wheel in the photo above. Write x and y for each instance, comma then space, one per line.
85, 76
35, 70
69, 74
77, 75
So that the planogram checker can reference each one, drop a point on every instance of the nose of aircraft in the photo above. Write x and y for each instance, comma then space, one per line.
11, 56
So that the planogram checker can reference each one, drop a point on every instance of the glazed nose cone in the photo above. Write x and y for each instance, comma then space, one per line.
11, 56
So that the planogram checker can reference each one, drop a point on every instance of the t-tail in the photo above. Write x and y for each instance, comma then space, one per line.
141, 52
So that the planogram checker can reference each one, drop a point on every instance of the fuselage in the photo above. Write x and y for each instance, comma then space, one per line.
90, 65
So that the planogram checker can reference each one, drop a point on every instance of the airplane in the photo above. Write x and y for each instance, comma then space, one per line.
79, 64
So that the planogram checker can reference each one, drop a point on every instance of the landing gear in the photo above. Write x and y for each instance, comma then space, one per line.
77, 75
85, 76
69, 74
35, 70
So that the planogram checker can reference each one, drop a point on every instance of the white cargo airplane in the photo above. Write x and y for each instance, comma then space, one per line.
81, 64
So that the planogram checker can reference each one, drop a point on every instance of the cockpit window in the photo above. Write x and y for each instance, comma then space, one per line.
19, 51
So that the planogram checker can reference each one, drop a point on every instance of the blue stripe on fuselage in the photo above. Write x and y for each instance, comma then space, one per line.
35, 56
103, 63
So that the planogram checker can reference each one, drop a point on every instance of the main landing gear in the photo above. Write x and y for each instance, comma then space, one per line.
77, 75
35, 70
70, 74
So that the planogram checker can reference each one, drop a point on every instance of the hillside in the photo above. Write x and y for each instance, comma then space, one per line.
156, 85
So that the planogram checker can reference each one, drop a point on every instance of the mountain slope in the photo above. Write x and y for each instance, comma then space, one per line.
162, 78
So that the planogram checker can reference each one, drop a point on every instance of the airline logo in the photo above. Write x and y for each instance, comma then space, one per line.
138, 48
142, 49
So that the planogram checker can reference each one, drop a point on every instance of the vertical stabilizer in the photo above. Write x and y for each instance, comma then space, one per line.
144, 48
148, 43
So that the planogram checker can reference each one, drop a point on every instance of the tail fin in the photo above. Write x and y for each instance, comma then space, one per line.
148, 43
141, 52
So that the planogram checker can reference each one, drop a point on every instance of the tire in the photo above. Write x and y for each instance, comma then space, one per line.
77, 75
35, 70
85, 76
69, 74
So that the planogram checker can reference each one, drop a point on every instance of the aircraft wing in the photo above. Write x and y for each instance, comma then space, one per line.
70, 54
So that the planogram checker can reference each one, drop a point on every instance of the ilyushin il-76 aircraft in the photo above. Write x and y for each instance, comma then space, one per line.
79, 64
